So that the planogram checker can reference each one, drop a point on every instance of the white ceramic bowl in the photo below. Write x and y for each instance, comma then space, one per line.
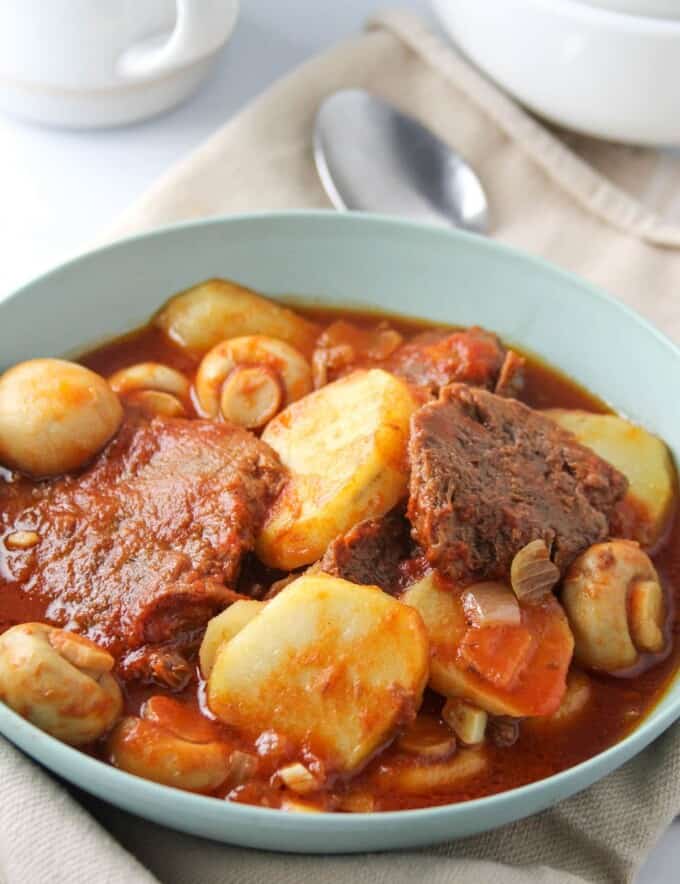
362, 261
593, 70
653, 8
94, 63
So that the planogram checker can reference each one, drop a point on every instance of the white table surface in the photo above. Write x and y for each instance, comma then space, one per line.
59, 188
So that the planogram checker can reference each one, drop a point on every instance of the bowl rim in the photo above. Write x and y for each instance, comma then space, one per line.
597, 16
28, 737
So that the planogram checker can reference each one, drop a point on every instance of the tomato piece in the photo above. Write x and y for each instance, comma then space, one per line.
493, 666
498, 653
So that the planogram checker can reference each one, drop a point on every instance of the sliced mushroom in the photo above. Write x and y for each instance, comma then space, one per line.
151, 751
153, 388
54, 416
428, 738
248, 380
59, 681
615, 604
251, 396
180, 719
423, 776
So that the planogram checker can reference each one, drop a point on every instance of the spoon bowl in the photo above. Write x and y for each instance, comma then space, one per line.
373, 158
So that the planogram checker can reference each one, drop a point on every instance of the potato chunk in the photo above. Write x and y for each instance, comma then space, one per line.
345, 447
538, 681
217, 309
330, 665
223, 628
640, 456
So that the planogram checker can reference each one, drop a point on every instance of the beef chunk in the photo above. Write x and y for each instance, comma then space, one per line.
370, 553
434, 359
489, 475
142, 547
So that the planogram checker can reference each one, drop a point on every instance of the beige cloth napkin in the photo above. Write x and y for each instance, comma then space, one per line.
604, 211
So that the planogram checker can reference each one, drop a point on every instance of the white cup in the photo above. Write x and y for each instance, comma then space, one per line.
649, 8
106, 62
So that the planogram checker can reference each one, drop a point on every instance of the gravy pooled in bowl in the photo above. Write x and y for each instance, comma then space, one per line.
329, 560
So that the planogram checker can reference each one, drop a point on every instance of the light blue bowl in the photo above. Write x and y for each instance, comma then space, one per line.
359, 261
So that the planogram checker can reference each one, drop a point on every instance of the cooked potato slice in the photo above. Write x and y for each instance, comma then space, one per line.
217, 309
422, 777
538, 687
345, 447
640, 456
223, 628
333, 666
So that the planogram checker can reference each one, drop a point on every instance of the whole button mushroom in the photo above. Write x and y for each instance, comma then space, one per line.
177, 746
248, 380
54, 416
615, 605
153, 388
59, 681
149, 750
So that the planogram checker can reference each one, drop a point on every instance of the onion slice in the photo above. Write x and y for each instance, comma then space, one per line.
532, 574
491, 604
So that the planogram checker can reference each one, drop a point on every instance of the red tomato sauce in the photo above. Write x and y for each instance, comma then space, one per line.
616, 707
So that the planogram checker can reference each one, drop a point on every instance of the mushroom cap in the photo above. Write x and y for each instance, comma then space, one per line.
615, 605
54, 416
277, 364
59, 681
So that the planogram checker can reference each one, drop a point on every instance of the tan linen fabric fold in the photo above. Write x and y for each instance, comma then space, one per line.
46, 836
611, 214
549, 194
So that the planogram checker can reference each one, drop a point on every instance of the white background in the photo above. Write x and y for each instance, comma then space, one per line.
58, 188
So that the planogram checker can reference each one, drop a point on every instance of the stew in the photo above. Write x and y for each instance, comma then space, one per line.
327, 560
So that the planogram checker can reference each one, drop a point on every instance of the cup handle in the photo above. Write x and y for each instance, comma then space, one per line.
202, 27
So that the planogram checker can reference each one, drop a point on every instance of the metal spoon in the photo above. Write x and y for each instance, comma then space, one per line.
373, 158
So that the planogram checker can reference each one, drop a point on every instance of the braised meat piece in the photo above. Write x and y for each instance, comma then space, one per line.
344, 347
433, 359
489, 475
370, 553
142, 547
